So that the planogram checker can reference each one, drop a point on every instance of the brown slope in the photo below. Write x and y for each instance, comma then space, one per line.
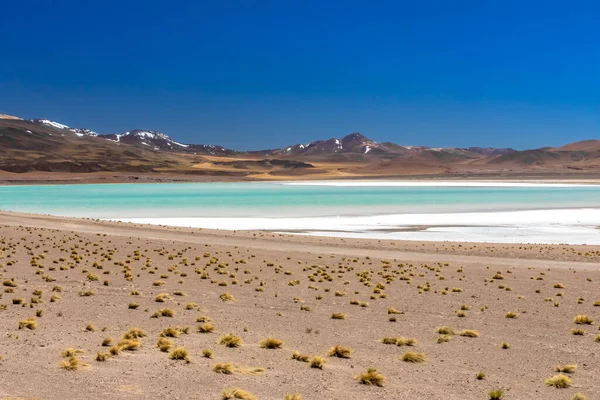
27, 146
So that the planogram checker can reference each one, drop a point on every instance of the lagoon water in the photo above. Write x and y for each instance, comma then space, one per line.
469, 211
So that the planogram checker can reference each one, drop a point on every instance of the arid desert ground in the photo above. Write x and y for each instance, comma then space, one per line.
103, 310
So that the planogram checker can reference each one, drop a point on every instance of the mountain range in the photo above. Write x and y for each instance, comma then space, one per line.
46, 145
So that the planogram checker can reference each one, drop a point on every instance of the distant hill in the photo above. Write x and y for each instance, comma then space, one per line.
47, 145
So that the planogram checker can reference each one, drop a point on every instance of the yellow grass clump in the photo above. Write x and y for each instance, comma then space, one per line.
567, 369
583, 320
271, 343
296, 355
413, 357
179, 353
230, 394
559, 381
134, 333
227, 297
445, 330
164, 312
340, 351
29, 323
317, 362
164, 344
230, 340
469, 333
206, 327
72, 364
371, 377
224, 368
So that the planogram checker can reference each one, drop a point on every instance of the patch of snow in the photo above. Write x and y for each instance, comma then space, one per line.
179, 144
83, 132
145, 143
367, 149
53, 124
31, 133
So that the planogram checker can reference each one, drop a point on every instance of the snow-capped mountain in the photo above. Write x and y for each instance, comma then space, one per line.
77, 131
160, 141
152, 139
352, 143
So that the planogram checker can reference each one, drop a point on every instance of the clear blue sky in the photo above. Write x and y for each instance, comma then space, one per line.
254, 74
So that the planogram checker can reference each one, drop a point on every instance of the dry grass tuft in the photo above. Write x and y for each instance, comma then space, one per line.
340, 351
469, 333
300, 357
371, 377
230, 340
445, 330
567, 369
496, 394
578, 396
206, 327
164, 344
271, 343
224, 368
227, 297
71, 352
164, 312
413, 357
29, 323
559, 381
129, 344
444, 338
338, 316
102, 356
317, 362
72, 364
207, 353
134, 333
229, 394
402, 341
180, 353
170, 332
583, 320
293, 396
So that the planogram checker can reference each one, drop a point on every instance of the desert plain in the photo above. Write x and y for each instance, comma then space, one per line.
96, 309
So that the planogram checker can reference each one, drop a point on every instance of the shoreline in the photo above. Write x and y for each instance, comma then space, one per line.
255, 238
568, 226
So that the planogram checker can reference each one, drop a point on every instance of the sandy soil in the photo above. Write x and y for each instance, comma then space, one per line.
272, 279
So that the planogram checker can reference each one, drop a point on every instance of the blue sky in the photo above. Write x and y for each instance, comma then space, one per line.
254, 74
